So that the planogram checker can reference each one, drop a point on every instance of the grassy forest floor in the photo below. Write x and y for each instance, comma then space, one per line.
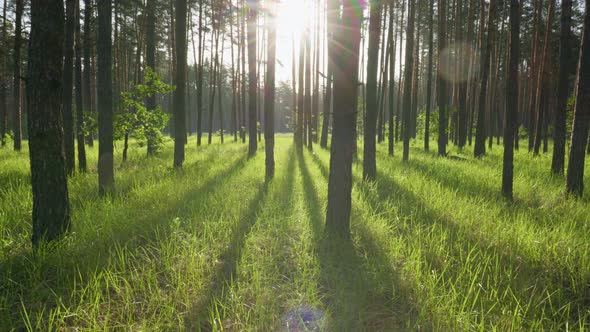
212, 247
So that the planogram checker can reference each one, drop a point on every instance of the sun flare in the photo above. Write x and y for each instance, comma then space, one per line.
292, 17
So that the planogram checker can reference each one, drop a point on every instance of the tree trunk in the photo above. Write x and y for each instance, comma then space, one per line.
462, 83
415, 79
78, 96
429, 76
243, 42
51, 209
369, 163
381, 72
220, 89
475, 85
68, 85
328, 93
409, 64
106, 179
300, 131
214, 65
87, 78
563, 88
534, 71
575, 167
316, 77
392, 46
252, 79
180, 92
399, 86
269, 94
540, 111
441, 85
200, 76
511, 99
308, 98
234, 115
259, 89
16, 116
150, 59
480, 135
295, 109
3, 78
346, 44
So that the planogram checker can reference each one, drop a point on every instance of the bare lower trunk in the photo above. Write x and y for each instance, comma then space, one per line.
51, 209
575, 168
345, 92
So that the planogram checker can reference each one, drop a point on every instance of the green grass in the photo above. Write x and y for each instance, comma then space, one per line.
214, 247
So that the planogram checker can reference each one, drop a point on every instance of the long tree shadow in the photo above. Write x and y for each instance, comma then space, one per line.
418, 214
311, 197
70, 263
135, 177
225, 273
454, 179
467, 187
352, 276
359, 287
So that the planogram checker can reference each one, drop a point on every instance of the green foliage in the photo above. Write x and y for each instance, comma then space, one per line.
421, 123
134, 119
90, 123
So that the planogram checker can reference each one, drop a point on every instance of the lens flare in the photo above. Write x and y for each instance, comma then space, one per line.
454, 62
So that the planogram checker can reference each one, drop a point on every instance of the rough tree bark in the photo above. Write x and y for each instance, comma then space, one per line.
300, 130
330, 18
17, 112
511, 99
391, 80
150, 57
563, 88
200, 76
480, 135
252, 79
575, 167
462, 80
409, 64
346, 44
180, 80
369, 163
68, 86
269, 93
106, 178
243, 47
87, 83
3, 77
78, 95
441, 85
316, 76
51, 209
429, 76
541, 88
308, 97
538, 8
